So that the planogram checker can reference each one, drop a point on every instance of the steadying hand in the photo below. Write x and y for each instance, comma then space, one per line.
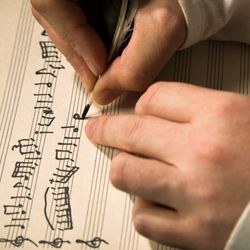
185, 155
159, 30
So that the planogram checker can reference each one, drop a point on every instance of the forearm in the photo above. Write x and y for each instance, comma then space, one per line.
218, 19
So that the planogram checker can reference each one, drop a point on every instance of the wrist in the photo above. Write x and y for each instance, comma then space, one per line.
181, 25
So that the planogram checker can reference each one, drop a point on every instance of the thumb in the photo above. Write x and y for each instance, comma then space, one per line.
159, 30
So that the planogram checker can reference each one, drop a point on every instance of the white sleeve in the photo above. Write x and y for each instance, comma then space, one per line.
239, 238
217, 19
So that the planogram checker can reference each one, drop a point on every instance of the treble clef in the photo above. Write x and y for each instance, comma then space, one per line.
94, 243
18, 241
56, 243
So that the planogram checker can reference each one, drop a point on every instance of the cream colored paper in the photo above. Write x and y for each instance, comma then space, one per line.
54, 184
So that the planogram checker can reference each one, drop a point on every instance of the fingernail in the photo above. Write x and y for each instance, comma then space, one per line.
90, 127
89, 81
88, 78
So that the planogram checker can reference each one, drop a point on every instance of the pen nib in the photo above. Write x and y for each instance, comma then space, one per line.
85, 111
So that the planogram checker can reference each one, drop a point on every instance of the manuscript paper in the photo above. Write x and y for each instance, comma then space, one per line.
54, 184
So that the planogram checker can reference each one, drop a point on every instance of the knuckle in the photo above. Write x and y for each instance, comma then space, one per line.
225, 106
211, 151
148, 97
132, 133
161, 16
118, 166
230, 104
140, 223
165, 13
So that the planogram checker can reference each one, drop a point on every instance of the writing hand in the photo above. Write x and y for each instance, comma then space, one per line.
159, 30
185, 155
68, 27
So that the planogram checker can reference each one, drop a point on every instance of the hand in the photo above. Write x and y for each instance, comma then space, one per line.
68, 27
159, 30
185, 155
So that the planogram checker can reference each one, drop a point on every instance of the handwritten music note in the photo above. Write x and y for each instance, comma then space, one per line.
62, 208
56, 243
18, 241
94, 243
54, 184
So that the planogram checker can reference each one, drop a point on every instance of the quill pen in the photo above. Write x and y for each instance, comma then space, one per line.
123, 31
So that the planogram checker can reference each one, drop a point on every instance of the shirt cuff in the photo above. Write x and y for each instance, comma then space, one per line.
194, 12
239, 238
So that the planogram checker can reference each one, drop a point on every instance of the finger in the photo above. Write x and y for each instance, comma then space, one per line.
154, 40
147, 178
87, 76
69, 22
158, 223
177, 102
145, 135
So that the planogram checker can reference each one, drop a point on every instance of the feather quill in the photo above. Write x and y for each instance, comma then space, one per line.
124, 27
122, 34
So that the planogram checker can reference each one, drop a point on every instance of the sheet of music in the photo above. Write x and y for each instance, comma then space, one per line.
54, 184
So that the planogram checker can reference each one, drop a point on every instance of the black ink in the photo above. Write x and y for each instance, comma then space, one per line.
48, 84
64, 214
85, 111
44, 33
33, 158
63, 196
95, 243
76, 116
71, 138
26, 146
21, 185
11, 209
63, 155
48, 111
57, 67
47, 94
20, 219
44, 132
18, 241
45, 71
15, 225
53, 61
56, 243
63, 208
65, 127
65, 178
21, 197
40, 107
48, 50
66, 144
47, 121
44, 101
74, 128
45, 209
18, 185
24, 169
